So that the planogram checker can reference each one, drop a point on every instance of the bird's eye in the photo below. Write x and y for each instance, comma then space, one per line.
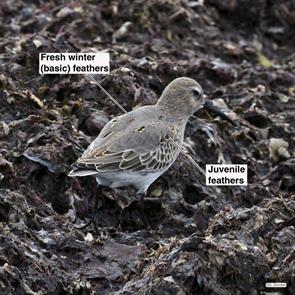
196, 92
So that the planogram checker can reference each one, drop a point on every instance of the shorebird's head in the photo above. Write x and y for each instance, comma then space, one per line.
184, 96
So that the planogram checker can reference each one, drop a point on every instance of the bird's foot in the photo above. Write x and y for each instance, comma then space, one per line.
93, 220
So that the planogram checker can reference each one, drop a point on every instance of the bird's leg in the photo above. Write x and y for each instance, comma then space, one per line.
93, 219
141, 211
140, 207
95, 215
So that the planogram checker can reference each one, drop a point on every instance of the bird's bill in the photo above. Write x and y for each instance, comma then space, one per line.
208, 106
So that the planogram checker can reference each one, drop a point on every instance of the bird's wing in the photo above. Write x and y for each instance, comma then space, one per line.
149, 146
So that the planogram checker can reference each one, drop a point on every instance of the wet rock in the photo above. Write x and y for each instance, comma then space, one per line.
96, 122
278, 149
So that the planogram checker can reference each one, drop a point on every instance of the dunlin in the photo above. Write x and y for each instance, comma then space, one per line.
139, 146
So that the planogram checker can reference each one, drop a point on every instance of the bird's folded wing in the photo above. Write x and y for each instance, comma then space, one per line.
150, 147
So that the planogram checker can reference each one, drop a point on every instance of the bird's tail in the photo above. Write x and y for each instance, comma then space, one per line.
74, 173
81, 170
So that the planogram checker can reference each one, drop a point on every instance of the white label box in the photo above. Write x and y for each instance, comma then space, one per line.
226, 174
276, 285
74, 63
